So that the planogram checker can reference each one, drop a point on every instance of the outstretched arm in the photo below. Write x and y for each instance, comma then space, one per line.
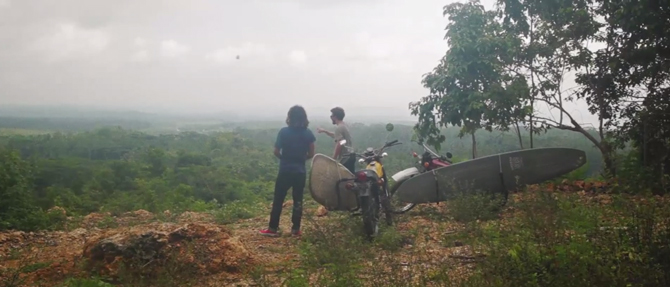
329, 133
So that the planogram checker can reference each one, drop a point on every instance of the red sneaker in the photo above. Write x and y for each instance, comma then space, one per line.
296, 233
268, 232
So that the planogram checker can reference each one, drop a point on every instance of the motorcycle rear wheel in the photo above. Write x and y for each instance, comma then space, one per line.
370, 208
405, 208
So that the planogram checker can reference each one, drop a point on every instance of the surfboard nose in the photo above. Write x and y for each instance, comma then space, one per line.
578, 156
550, 163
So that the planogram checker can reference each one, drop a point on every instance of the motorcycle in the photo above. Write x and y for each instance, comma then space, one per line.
430, 160
371, 187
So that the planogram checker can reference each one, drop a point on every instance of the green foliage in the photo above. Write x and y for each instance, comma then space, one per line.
115, 170
85, 282
236, 210
559, 240
17, 207
578, 174
469, 206
637, 178
470, 86
501, 63
389, 239
14, 189
339, 256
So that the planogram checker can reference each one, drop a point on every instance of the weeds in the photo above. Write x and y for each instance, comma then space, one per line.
236, 210
26, 263
560, 240
537, 239
85, 282
475, 205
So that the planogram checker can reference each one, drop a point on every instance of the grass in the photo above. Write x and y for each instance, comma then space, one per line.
237, 210
566, 239
540, 238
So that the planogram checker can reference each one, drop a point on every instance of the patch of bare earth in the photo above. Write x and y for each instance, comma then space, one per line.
137, 245
220, 255
228, 255
434, 252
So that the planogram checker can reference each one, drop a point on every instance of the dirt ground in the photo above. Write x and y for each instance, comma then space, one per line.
48, 258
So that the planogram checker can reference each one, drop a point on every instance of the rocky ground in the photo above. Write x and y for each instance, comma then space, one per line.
220, 255
192, 245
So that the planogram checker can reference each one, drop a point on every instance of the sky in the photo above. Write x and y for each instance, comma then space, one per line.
367, 56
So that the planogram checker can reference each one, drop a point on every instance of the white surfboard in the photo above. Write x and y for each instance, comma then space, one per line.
323, 176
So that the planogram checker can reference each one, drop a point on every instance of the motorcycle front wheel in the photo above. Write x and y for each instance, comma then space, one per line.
399, 208
370, 214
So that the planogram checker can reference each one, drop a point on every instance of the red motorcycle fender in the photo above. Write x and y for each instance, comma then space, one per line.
438, 163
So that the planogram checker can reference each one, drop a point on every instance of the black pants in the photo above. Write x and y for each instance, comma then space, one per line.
286, 180
350, 163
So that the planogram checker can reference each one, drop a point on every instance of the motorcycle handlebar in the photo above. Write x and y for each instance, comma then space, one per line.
429, 150
432, 152
377, 152
389, 144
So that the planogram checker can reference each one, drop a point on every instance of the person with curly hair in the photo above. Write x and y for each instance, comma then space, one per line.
294, 146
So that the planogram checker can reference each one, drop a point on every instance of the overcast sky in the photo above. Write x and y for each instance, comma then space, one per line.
180, 55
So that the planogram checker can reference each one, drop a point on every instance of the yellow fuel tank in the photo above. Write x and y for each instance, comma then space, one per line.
377, 167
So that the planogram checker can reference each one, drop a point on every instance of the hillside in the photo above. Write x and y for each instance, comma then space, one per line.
434, 245
118, 207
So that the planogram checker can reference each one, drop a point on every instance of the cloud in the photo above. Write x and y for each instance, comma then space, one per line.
140, 56
140, 42
297, 57
363, 54
70, 40
248, 52
325, 4
171, 49
293, 47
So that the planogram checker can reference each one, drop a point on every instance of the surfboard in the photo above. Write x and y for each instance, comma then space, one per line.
323, 176
495, 173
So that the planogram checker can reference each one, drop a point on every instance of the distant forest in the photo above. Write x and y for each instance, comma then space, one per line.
89, 165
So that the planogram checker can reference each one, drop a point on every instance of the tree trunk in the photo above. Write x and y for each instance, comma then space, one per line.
532, 80
606, 151
531, 128
603, 146
474, 146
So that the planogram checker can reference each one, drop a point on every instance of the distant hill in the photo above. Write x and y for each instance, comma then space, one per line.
64, 111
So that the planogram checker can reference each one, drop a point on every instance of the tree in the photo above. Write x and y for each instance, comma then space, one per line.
629, 83
469, 88
558, 35
17, 209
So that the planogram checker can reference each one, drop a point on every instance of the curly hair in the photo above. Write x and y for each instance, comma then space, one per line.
297, 117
